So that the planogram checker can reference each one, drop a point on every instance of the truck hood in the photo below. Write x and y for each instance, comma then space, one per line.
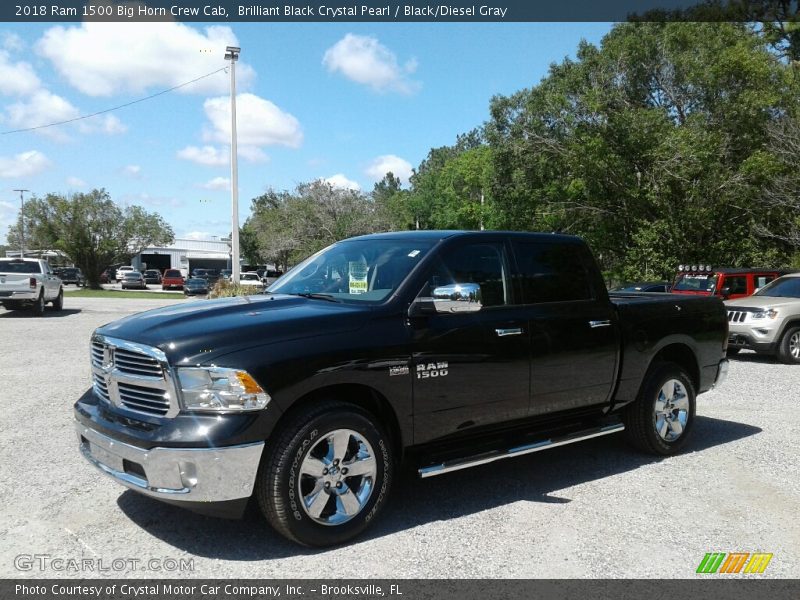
762, 302
197, 332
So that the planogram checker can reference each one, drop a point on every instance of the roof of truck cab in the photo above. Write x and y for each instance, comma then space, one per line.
440, 234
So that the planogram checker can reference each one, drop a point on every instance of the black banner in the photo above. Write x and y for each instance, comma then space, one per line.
713, 588
393, 10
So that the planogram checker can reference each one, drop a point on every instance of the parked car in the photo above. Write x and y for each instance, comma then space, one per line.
446, 349
195, 286
133, 280
643, 286
271, 276
29, 283
225, 274
210, 275
172, 279
106, 276
152, 276
122, 271
726, 283
72, 275
768, 321
251, 280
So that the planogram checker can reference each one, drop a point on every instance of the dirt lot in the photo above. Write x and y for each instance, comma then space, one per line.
596, 509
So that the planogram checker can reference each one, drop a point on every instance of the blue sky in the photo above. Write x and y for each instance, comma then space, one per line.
341, 102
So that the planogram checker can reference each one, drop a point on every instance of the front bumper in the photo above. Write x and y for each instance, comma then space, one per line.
174, 474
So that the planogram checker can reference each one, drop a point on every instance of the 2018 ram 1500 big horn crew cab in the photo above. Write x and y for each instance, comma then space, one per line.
446, 349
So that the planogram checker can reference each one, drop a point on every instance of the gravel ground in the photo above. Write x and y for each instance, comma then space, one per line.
595, 509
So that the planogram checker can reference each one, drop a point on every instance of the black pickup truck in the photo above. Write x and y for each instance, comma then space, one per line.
441, 349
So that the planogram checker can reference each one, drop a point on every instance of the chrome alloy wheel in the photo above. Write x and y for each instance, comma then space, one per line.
671, 410
794, 345
337, 477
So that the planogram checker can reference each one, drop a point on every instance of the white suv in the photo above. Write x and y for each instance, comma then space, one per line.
768, 321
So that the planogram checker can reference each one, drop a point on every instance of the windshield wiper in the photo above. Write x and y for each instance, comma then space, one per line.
316, 296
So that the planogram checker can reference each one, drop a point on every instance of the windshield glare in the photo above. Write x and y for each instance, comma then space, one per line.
696, 283
355, 270
784, 287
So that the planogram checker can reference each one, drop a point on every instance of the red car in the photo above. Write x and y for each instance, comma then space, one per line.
172, 279
728, 283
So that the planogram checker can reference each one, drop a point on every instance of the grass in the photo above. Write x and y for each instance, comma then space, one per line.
87, 293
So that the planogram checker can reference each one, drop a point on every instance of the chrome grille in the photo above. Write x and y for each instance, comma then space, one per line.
132, 376
136, 364
97, 354
143, 399
737, 316
100, 388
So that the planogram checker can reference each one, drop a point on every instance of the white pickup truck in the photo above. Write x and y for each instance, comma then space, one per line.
29, 283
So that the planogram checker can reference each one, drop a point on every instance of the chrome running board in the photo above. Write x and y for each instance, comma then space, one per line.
494, 455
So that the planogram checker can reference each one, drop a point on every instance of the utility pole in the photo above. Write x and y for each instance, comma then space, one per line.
21, 223
232, 54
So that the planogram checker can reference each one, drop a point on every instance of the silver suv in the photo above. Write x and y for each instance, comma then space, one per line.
768, 321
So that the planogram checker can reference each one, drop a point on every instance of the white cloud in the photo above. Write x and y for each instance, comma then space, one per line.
217, 184
108, 124
208, 156
41, 108
390, 163
196, 235
12, 41
103, 59
258, 122
365, 60
342, 182
134, 171
17, 78
75, 182
23, 165
252, 154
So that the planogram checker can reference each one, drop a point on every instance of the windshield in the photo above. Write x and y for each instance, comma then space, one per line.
355, 270
9, 266
695, 283
784, 287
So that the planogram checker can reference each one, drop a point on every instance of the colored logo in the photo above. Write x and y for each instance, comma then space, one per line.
734, 562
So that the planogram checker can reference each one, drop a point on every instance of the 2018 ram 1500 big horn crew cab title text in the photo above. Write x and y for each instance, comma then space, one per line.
446, 349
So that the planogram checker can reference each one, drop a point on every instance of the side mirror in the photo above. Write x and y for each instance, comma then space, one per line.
457, 298
726, 293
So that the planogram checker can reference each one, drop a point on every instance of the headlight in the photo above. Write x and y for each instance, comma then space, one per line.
767, 313
215, 388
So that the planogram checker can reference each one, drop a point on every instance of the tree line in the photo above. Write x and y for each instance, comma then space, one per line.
669, 142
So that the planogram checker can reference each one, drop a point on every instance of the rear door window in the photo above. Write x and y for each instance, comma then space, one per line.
551, 272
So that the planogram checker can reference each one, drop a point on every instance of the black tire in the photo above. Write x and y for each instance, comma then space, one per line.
38, 305
789, 348
733, 351
641, 422
58, 303
280, 485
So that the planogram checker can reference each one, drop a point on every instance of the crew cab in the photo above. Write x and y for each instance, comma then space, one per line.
441, 350
728, 283
29, 283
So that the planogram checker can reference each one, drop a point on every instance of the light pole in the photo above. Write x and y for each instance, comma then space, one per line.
232, 54
21, 223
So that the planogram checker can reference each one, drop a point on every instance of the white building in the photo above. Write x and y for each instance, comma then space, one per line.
185, 254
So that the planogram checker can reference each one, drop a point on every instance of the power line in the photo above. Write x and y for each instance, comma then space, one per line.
108, 110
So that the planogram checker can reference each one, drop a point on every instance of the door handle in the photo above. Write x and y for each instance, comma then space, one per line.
507, 332
596, 324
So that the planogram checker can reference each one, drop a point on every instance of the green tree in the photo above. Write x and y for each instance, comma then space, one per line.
652, 146
90, 229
